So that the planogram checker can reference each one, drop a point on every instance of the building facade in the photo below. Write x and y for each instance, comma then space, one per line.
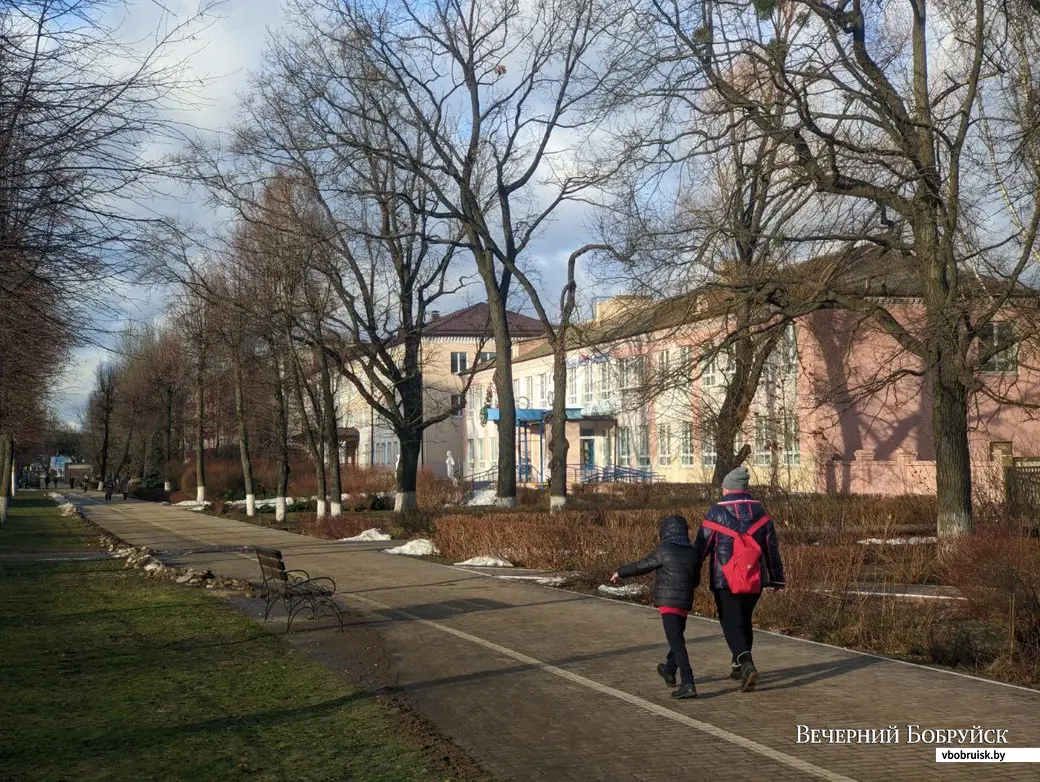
451, 347
841, 407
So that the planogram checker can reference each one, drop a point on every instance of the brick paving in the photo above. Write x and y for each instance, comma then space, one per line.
543, 684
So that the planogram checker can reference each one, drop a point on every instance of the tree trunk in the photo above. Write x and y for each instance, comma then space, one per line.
105, 434
331, 436
407, 471
312, 443
6, 464
952, 457
558, 445
243, 436
200, 437
282, 440
168, 450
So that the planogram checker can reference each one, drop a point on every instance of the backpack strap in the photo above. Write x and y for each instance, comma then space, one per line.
720, 528
732, 532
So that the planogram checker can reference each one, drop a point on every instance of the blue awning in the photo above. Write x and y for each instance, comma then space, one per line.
529, 414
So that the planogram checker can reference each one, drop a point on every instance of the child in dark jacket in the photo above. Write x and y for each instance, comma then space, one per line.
673, 561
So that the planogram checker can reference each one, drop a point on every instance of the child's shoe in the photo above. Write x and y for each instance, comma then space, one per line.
664, 673
685, 691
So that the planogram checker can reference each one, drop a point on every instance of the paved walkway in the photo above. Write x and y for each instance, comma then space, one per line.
544, 684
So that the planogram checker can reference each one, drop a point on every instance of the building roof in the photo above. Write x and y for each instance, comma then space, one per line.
475, 321
864, 271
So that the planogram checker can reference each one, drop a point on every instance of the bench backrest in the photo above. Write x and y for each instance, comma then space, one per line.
272, 567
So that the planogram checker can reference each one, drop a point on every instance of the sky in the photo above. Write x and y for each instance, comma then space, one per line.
220, 59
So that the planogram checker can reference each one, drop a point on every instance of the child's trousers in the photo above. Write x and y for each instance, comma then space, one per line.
678, 659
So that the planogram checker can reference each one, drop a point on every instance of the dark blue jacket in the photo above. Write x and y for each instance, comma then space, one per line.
738, 511
673, 562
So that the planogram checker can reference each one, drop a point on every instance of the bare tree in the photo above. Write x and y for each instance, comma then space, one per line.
483, 103
887, 132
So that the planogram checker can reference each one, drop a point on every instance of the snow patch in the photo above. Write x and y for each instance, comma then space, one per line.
193, 505
628, 590
415, 548
367, 535
896, 541
271, 503
553, 580
67, 509
58, 498
487, 498
486, 562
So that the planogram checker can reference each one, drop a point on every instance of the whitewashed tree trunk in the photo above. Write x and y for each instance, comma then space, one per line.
335, 508
250, 505
404, 500
279, 509
167, 486
321, 509
200, 494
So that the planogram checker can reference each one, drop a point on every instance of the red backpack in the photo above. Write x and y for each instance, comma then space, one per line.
743, 572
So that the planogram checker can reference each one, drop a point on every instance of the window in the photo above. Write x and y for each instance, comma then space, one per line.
710, 377
1006, 361
494, 450
789, 350
476, 400
664, 365
572, 387
471, 454
764, 443
686, 362
480, 453
643, 445
487, 355
458, 404
528, 391
586, 384
624, 456
541, 391
516, 392
709, 455
686, 443
459, 362
603, 380
664, 444
792, 444
632, 372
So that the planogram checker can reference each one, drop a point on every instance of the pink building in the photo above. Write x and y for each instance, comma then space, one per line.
841, 406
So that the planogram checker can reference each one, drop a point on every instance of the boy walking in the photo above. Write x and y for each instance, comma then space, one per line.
739, 540
673, 560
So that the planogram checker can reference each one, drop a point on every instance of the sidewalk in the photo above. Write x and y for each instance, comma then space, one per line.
545, 684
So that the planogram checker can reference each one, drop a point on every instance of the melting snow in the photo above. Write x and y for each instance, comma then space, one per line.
628, 590
368, 534
896, 541
486, 497
67, 509
486, 562
415, 548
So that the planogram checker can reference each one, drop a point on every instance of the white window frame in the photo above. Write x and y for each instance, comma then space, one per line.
457, 399
763, 437
459, 361
587, 385
709, 454
603, 380
792, 440
572, 386
624, 446
686, 443
1006, 361
471, 454
643, 445
664, 445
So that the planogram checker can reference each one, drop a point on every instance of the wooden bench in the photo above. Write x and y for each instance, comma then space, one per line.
294, 588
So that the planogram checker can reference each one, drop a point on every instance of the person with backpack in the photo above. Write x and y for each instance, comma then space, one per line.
739, 540
673, 562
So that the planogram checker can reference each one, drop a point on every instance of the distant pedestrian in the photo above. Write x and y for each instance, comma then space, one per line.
673, 559
109, 488
46, 480
72, 482
124, 486
739, 540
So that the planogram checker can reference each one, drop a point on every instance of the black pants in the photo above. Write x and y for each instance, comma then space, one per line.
108, 494
735, 617
678, 659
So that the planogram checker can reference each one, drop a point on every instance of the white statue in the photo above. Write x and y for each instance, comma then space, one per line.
449, 462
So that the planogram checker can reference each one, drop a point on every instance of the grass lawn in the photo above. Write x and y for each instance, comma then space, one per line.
107, 674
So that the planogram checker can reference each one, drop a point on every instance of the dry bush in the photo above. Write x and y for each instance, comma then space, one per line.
345, 525
999, 572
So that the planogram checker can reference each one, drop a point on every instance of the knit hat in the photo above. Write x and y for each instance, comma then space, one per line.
736, 480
